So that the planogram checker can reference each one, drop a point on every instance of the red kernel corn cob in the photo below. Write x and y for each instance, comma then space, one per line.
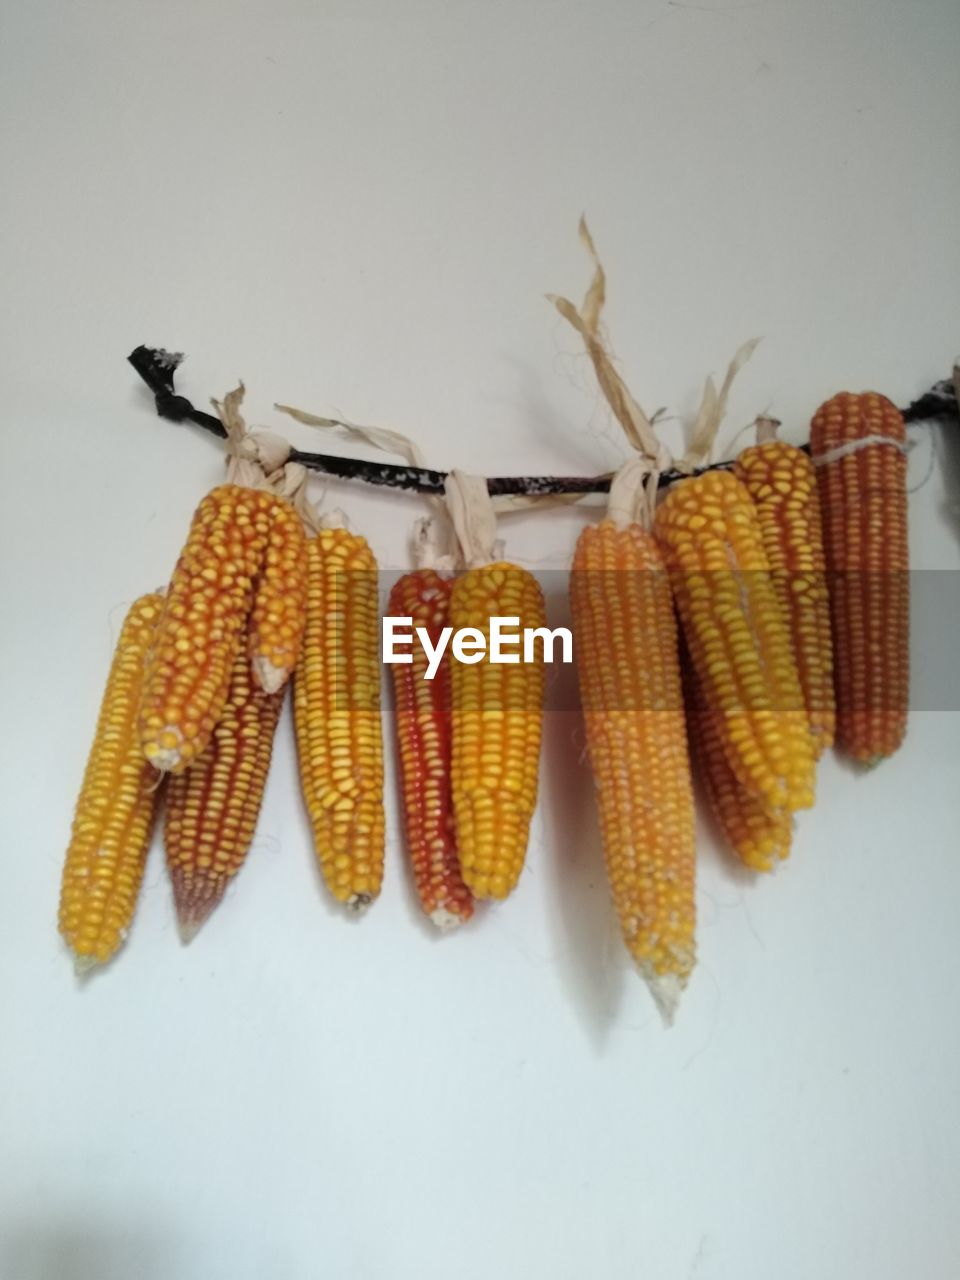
280, 601
424, 743
625, 639
212, 808
758, 835
737, 635
782, 482
863, 501
111, 832
336, 699
203, 624
497, 726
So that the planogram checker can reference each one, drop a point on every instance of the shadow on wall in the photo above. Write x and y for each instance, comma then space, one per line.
54, 1250
590, 960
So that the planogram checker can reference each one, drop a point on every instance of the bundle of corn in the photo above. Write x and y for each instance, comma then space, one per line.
196, 692
858, 445
336, 699
424, 747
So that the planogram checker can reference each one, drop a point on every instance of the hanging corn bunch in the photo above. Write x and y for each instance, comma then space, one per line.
336, 699
781, 480
424, 746
858, 444
115, 812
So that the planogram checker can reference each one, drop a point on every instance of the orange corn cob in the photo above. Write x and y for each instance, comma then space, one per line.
625, 637
337, 715
782, 482
863, 500
203, 624
114, 816
758, 835
212, 808
497, 725
423, 738
738, 636
280, 602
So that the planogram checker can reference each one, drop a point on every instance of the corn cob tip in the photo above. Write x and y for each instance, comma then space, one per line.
163, 752
194, 898
666, 989
271, 679
446, 921
83, 964
189, 926
358, 903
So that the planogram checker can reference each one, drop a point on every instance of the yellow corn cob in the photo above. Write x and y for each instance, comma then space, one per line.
858, 442
758, 835
497, 723
211, 809
625, 638
203, 625
738, 637
280, 602
336, 698
782, 482
114, 816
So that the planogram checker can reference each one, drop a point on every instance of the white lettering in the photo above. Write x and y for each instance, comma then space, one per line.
392, 637
498, 639
548, 638
434, 652
469, 645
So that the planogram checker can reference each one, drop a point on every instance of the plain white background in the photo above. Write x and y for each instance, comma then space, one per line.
359, 206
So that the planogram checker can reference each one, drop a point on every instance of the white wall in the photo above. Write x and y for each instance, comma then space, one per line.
359, 206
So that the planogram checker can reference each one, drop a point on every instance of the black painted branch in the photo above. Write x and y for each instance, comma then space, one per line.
157, 369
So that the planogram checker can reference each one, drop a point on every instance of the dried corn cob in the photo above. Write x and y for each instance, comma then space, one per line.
758, 835
625, 636
497, 725
423, 737
280, 602
203, 624
859, 444
738, 636
212, 808
782, 482
337, 715
114, 816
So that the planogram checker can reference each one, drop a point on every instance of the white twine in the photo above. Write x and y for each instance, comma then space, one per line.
854, 446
